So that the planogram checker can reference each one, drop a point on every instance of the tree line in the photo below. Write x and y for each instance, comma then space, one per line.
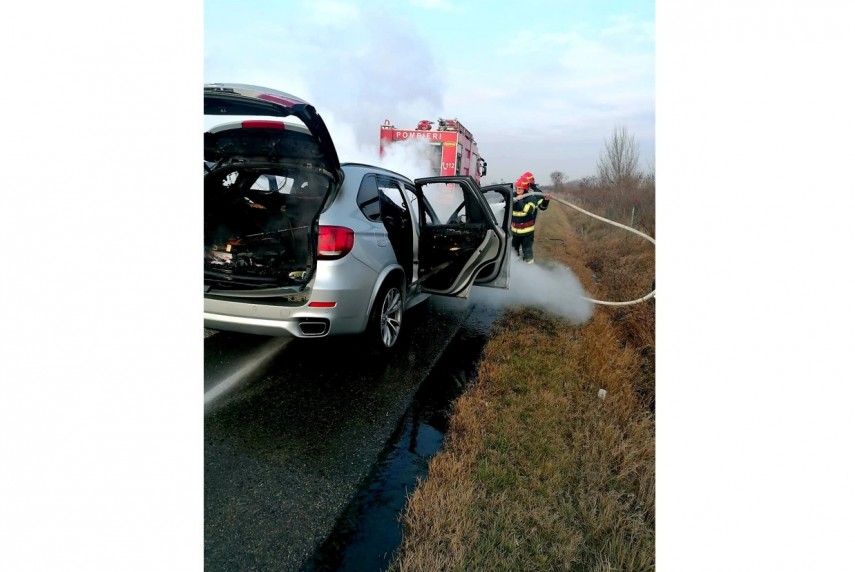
621, 190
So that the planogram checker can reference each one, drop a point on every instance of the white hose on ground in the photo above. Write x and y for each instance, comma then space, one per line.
652, 293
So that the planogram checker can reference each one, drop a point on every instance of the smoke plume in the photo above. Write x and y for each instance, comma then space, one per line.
410, 158
551, 288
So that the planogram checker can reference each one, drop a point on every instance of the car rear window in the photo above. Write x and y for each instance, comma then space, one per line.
274, 184
367, 198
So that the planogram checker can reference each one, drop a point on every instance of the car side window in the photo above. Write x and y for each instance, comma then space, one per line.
448, 202
367, 198
497, 205
393, 191
413, 200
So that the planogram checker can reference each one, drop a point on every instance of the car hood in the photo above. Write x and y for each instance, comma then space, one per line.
249, 100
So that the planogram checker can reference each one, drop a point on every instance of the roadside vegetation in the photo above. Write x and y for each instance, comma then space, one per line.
538, 472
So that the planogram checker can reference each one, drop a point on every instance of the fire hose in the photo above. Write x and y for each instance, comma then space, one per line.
648, 296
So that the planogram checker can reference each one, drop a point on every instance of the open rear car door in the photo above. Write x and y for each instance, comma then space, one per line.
266, 183
463, 235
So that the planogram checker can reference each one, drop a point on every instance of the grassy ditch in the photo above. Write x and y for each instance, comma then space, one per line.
538, 472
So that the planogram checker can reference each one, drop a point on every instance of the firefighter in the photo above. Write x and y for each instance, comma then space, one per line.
524, 216
528, 177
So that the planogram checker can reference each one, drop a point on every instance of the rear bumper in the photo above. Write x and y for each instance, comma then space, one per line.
299, 328
350, 292
348, 316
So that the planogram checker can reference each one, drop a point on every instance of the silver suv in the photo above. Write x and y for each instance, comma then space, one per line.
298, 244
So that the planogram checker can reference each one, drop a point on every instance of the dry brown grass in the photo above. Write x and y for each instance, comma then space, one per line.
538, 472
635, 201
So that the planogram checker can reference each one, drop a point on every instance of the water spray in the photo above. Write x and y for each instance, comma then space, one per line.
649, 295
250, 365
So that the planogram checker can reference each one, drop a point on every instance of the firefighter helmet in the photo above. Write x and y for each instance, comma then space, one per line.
528, 177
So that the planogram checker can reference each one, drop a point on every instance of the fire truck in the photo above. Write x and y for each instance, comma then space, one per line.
453, 151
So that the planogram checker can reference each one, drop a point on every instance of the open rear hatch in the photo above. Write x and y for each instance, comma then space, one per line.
266, 183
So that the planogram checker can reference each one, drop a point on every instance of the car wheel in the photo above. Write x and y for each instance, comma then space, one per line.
384, 323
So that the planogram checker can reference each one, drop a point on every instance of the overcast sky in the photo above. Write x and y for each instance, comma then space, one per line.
540, 84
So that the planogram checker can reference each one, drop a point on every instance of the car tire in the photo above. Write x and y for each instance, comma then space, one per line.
384, 322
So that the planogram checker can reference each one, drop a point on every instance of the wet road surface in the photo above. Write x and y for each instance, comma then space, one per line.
297, 429
369, 532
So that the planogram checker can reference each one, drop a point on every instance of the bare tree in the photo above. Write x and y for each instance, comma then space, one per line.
558, 178
618, 164
588, 183
650, 176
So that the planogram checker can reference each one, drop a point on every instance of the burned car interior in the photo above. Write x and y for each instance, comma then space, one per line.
446, 247
263, 192
258, 225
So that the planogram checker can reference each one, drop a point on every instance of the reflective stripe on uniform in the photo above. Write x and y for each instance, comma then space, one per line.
528, 207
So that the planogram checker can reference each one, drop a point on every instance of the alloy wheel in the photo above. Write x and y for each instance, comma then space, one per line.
390, 317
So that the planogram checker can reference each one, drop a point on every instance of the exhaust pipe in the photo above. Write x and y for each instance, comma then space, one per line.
314, 328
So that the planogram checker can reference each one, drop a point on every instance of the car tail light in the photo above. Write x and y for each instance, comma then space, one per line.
334, 242
262, 124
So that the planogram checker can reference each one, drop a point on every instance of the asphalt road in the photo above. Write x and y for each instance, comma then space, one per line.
293, 426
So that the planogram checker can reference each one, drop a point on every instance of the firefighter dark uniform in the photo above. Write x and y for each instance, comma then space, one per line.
523, 220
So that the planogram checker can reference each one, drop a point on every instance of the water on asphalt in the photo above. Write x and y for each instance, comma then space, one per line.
289, 447
369, 531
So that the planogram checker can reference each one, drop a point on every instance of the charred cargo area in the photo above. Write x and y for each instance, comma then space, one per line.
259, 224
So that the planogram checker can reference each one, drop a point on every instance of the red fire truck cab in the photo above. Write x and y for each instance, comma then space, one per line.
453, 150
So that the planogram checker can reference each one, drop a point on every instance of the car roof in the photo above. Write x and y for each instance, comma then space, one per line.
365, 167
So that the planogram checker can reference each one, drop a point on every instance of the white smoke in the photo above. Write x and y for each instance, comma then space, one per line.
552, 288
410, 158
